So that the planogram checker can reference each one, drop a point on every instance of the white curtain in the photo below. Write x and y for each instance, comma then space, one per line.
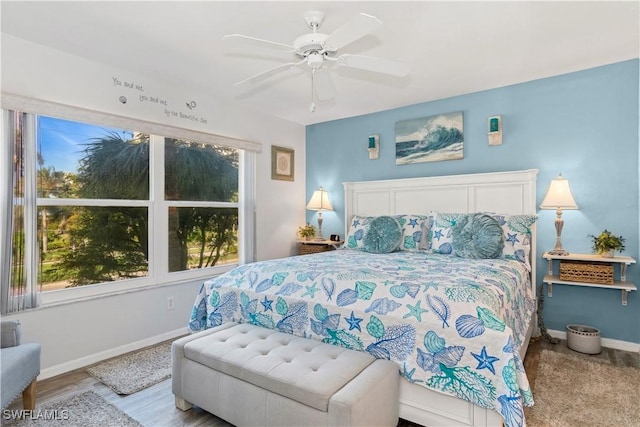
6, 211
18, 286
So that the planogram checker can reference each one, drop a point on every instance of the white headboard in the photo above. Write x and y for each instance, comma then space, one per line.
500, 192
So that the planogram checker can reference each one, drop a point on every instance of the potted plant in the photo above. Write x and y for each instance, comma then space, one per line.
606, 243
307, 231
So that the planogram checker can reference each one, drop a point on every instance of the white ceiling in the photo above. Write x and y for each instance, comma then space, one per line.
453, 47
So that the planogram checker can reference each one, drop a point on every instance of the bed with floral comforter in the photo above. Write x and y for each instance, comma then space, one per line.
451, 324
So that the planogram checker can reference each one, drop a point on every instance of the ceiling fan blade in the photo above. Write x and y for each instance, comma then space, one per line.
271, 71
354, 29
323, 84
260, 41
378, 65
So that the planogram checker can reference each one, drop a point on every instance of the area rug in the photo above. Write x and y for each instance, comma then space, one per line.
577, 391
87, 409
135, 371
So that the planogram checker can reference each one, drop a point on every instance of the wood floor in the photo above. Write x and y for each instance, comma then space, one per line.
154, 406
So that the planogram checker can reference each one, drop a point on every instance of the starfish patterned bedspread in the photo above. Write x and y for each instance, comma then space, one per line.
451, 324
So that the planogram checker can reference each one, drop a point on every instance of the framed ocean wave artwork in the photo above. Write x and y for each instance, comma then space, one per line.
430, 139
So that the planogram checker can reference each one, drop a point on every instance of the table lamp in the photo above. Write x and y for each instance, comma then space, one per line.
558, 197
320, 202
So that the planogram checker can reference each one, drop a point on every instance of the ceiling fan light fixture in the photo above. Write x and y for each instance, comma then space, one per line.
315, 60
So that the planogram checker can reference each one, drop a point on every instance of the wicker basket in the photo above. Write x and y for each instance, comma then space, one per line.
584, 271
306, 249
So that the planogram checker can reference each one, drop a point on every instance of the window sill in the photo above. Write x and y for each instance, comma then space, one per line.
105, 290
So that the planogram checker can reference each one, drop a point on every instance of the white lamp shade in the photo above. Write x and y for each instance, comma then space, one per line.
559, 195
320, 201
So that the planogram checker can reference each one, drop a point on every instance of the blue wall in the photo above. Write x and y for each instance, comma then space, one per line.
583, 125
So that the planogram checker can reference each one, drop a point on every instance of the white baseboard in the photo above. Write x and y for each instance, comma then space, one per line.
112, 352
606, 342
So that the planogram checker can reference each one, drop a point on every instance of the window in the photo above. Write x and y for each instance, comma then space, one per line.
200, 235
120, 206
93, 204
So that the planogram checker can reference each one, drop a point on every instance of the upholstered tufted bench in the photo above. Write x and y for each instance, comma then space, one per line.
250, 375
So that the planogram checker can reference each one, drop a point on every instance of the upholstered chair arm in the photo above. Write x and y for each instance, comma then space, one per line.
9, 333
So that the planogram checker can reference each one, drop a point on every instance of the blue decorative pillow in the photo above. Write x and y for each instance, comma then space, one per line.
517, 235
441, 232
415, 230
516, 230
357, 229
431, 219
477, 236
383, 236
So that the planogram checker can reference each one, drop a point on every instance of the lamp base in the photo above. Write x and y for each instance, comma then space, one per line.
560, 252
559, 223
319, 236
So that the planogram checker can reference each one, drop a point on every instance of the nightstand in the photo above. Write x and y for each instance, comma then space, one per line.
306, 247
589, 270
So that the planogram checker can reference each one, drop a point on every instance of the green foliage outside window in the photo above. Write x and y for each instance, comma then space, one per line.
91, 244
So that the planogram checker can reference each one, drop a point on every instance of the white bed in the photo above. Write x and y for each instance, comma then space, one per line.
369, 298
504, 192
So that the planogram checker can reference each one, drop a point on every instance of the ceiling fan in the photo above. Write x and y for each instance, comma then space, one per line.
318, 49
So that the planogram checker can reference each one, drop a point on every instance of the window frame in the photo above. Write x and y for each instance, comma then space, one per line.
157, 206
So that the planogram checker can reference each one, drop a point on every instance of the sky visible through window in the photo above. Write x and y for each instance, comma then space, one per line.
61, 143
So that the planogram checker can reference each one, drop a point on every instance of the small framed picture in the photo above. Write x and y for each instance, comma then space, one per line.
282, 163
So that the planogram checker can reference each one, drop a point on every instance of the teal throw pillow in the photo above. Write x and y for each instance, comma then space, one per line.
383, 236
477, 236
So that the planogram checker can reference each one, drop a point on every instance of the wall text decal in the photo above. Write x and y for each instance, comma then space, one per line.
146, 98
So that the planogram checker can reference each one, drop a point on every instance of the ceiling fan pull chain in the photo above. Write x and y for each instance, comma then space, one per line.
312, 107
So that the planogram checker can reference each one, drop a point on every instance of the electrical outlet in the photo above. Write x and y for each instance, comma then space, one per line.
170, 305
